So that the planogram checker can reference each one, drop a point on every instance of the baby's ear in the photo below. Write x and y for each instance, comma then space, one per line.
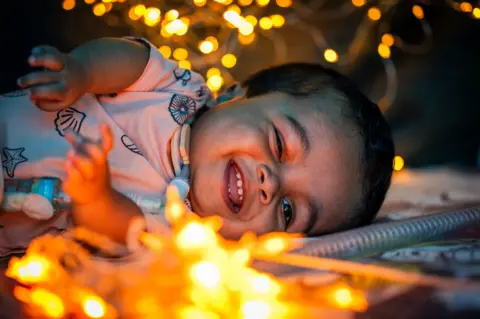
232, 92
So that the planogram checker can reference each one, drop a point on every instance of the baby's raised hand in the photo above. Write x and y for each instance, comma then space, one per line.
61, 83
87, 174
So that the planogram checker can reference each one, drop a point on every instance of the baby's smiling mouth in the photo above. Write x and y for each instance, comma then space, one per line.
234, 189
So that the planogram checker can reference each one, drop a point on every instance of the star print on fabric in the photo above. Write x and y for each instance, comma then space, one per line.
128, 143
69, 119
182, 74
181, 108
12, 157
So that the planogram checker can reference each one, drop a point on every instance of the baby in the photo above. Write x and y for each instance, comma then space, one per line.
300, 149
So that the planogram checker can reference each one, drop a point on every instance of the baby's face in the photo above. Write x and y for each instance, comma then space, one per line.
272, 163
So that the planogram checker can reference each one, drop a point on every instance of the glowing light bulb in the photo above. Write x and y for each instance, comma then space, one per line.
384, 50
466, 7
213, 71
133, 15
183, 29
32, 269
330, 55
215, 82
232, 17
171, 15
206, 47
251, 19
94, 307
234, 8
275, 245
68, 5
476, 13
195, 235
263, 284
245, 3
398, 163
388, 39
343, 297
358, 3
139, 9
185, 64
265, 23
180, 54
374, 13
50, 303
214, 42
165, 50
263, 3
418, 12
152, 16
99, 9
284, 3
257, 309
89, 1
245, 28
200, 3
246, 39
206, 273
277, 20
229, 60
173, 26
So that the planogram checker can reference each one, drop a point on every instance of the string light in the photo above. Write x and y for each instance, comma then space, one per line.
166, 51
466, 7
476, 13
388, 39
284, 3
418, 12
68, 5
277, 20
374, 13
330, 55
99, 9
229, 60
213, 71
398, 163
265, 23
185, 64
358, 3
180, 54
94, 307
384, 50
249, 24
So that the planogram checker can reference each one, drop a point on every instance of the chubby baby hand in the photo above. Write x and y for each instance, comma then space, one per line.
87, 173
61, 81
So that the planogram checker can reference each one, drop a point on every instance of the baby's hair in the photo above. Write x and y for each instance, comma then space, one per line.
314, 80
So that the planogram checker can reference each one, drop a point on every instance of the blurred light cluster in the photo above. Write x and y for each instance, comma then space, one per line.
212, 33
189, 272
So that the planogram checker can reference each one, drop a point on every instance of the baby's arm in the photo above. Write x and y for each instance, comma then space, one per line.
96, 205
102, 66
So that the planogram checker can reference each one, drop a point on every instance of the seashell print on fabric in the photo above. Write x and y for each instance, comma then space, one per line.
128, 143
181, 108
15, 93
182, 74
69, 119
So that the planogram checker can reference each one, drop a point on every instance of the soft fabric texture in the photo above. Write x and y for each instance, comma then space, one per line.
143, 119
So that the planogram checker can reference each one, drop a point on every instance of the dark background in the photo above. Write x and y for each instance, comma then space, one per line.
435, 116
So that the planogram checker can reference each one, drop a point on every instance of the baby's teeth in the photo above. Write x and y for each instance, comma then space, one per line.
241, 197
239, 183
238, 175
240, 191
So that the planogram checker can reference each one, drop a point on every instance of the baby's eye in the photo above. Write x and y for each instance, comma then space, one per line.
279, 140
287, 212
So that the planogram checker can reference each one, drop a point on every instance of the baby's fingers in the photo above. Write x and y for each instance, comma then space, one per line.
50, 92
37, 78
84, 165
107, 138
47, 57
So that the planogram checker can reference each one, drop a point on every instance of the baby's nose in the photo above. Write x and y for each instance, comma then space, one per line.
269, 183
